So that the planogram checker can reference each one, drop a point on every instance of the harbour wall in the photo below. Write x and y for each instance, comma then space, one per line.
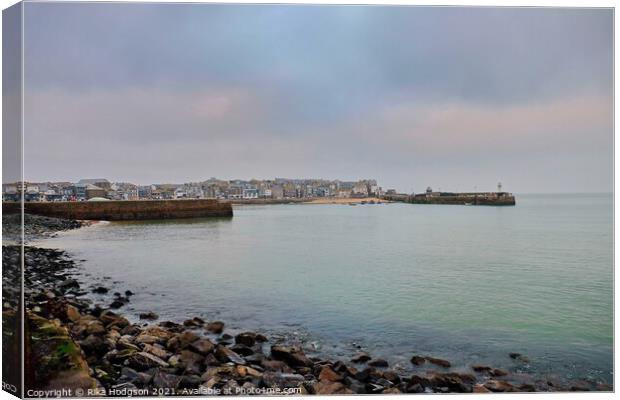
475, 199
124, 210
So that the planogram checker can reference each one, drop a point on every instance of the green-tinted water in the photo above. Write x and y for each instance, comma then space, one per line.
467, 283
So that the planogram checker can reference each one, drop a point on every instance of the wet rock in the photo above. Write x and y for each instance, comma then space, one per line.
116, 304
73, 314
479, 388
165, 380
481, 368
438, 361
417, 360
527, 387
378, 362
242, 350
142, 361
273, 365
327, 387
194, 322
128, 293
391, 376
498, 372
361, 357
519, 357
181, 341
292, 355
149, 315
224, 354
455, 382
498, 386
189, 382
157, 351
246, 339
328, 374
202, 346
415, 388
110, 320
215, 326
260, 338
94, 344
244, 371
101, 290
188, 361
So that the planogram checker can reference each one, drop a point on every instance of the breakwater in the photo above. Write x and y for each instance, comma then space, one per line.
470, 199
124, 210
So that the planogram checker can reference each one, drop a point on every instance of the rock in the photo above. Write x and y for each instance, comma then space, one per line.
261, 338
215, 326
273, 365
417, 360
202, 346
154, 334
128, 293
190, 362
149, 316
498, 372
415, 388
519, 357
498, 386
391, 376
248, 371
73, 314
479, 388
224, 354
360, 357
454, 382
292, 355
242, 350
328, 374
514, 356
95, 328
164, 380
156, 351
438, 361
117, 304
527, 387
100, 290
282, 380
378, 362
110, 319
392, 390
246, 339
189, 382
181, 341
327, 387
94, 344
481, 368
142, 361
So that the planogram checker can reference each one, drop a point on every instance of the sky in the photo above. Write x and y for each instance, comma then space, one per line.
453, 98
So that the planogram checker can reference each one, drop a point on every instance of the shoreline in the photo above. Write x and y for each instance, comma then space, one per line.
201, 354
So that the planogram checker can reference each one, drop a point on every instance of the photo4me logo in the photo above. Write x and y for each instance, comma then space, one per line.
8, 387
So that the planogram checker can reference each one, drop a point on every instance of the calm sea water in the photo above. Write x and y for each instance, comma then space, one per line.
470, 284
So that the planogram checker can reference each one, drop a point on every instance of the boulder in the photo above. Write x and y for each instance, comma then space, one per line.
378, 362
282, 380
498, 372
202, 346
157, 351
418, 360
328, 374
292, 355
215, 326
181, 341
142, 361
360, 357
246, 339
164, 380
438, 361
327, 387
149, 315
242, 350
224, 354
498, 386
481, 368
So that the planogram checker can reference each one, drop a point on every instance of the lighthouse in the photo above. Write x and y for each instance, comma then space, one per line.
499, 187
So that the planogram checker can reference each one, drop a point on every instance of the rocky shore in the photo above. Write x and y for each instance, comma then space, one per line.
75, 343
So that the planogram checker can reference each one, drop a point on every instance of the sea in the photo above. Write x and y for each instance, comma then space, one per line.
470, 284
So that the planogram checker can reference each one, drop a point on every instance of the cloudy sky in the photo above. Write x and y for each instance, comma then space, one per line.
455, 98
